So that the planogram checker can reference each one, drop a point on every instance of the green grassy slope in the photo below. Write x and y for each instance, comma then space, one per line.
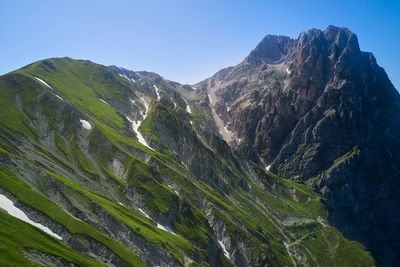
83, 83
18, 237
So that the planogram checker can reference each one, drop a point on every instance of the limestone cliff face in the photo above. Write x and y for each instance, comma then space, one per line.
318, 110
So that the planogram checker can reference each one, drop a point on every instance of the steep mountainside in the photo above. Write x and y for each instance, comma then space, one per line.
124, 168
317, 110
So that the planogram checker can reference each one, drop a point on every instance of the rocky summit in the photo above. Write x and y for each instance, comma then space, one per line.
290, 158
319, 111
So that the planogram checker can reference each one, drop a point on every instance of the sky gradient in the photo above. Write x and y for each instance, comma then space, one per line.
185, 41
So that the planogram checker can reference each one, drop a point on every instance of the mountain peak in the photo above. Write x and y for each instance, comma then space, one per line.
317, 109
334, 37
272, 49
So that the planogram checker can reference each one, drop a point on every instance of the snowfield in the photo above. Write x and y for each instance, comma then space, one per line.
174, 190
188, 109
226, 253
136, 124
159, 226
103, 101
40, 80
157, 92
165, 228
86, 124
144, 213
7, 205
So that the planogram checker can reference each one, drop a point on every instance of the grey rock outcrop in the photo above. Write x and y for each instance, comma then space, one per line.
318, 110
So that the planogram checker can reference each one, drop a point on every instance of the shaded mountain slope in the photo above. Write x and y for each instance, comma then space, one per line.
317, 110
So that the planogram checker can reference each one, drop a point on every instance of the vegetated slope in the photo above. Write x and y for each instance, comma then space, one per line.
318, 110
126, 171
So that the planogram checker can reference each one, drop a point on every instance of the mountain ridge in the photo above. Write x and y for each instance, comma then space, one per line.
138, 168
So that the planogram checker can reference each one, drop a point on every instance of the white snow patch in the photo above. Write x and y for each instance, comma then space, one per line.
188, 109
157, 92
209, 98
281, 59
165, 228
119, 203
144, 213
103, 101
136, 125
174, 190
146, 107
268, 167
12, 210
86, 124
191, 122
160, 226
133, 80
321, 221
126, 77
59, 97
226, 253
287, 70
40, 80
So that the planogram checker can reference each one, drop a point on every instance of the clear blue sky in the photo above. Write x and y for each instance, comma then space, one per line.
185, 41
